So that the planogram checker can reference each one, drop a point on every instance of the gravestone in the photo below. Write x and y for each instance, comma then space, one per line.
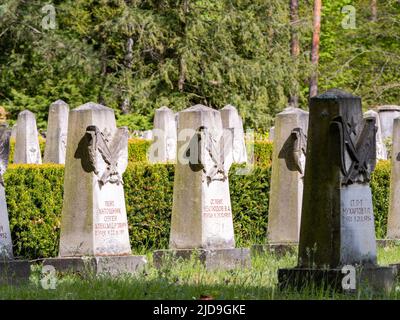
27, 148
337, 224
381, 153
393, 226
10, 270
57, 128
271, 133
201, 213
387, 114
288, 165
232, 121
94, 227
147, 135
14, 132
163, 148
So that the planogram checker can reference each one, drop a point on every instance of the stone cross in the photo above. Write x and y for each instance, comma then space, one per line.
27, 148
94, 220
337, 224
231, 120
163, 148
201, 212
381, 152
387, 114
57, 128
393, 226
6, 251
288, 164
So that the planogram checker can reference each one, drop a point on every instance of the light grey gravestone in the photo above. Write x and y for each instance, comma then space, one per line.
163, 148
271, 133
393, 226
27, 148
288, 165
94, 225
381, 152
57, 128
387, 114
231, 120
14, 132
147, 134
337, 223
201, 213
10, 270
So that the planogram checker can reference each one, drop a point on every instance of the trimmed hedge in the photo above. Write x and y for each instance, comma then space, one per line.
137, 150
35, 193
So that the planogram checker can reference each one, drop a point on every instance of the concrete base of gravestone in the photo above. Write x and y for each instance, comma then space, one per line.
383, 243
375, 278
98, 265
14, 271
278, 249
222, 259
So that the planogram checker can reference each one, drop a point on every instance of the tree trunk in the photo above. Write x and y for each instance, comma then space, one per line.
294, 43
315, 48
374, 10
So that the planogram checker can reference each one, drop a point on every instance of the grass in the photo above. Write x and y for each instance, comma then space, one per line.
189, 280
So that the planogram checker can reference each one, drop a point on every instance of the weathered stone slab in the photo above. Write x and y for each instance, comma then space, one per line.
14, 272
98, 265
201, 212
387, 114
221, 259
232, 121
381, 151
27, 148
163, 148
277, 249
6, 251
337, 224
393, 225
57, 128
288, 164
376, 279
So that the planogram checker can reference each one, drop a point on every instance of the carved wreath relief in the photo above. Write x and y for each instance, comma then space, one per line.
107, 155
207, 152
357, 148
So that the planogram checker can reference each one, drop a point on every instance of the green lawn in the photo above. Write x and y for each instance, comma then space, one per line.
189, 280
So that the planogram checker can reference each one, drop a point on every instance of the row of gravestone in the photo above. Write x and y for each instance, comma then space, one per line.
94, 228
164, 135
384, 116
337, 221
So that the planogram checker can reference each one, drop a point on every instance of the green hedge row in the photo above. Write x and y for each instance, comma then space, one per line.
137, 150
35, 193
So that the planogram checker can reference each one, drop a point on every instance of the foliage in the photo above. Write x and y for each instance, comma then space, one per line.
380, 187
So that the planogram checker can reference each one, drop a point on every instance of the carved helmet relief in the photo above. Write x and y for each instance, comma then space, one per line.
105, 153
357, 148
294, 151
206, 152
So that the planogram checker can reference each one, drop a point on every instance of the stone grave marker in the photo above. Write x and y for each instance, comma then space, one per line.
393, 226
231, 120
387, 114
27, 148
163, 148
57, 128
337, 224
201, 213
94, 227
381, 152
10, 270
288, 165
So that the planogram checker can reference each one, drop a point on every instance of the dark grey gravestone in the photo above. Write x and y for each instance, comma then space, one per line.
337, 224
